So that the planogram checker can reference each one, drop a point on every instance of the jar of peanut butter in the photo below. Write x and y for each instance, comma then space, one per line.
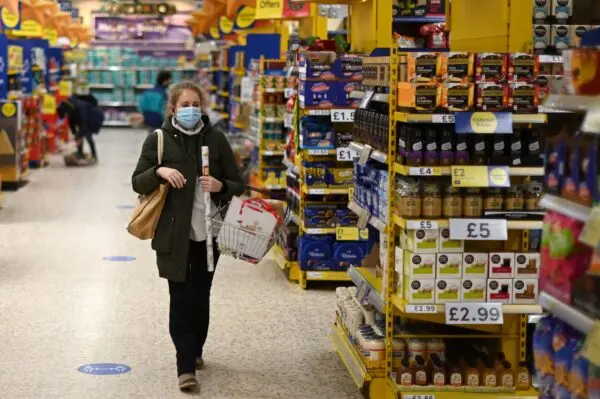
515, 199
410, 198
431, 201
533, 196
453, 202
494, 199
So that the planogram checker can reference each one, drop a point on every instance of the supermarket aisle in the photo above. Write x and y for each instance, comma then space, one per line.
62, 306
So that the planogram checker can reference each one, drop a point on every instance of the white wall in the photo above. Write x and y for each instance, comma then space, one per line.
86, 7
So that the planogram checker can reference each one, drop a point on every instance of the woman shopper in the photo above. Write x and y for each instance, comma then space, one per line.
180, 236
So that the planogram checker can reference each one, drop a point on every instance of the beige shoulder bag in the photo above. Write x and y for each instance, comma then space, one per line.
149, 207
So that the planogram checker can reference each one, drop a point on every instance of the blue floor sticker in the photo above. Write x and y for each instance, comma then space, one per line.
125, 206
104, 369
119, 258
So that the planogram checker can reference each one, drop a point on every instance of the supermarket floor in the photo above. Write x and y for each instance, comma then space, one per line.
62, 306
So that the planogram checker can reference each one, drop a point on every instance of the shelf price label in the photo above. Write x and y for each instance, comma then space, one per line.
418, 396
318, 151
346, 154
288, 92
421, 309
425, 171
288, 120
351, 234
319, 112
474, 313
246, 90
342, 115
422, 225
478, 229
480, 176
444, 118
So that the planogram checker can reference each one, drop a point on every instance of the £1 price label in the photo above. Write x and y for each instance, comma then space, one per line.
342, 115
346, 154
478, 229
421, 309
443, 118
474, 313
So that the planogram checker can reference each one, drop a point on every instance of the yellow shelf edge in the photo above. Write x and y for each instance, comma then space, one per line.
510, 224
347, 353
408, 117
404, 170
315, 275
400, 304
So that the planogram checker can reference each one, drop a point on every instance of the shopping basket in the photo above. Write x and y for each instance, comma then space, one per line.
248, 243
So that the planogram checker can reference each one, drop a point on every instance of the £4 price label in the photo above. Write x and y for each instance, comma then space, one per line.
474, 313
342, 115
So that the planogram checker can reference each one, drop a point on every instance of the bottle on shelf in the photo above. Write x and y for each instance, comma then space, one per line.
506, 376
405, 374
420, 371
523, 377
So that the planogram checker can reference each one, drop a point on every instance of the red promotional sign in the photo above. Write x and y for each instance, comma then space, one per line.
295, 9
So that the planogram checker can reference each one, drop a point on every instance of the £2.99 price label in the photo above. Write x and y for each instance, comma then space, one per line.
478, 229
342, 115
421, 309
418, 396
474, 313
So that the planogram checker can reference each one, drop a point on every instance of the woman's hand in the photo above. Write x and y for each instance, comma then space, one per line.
210, 184
172, 176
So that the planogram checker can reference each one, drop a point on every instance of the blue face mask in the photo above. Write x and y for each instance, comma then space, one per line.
188, 117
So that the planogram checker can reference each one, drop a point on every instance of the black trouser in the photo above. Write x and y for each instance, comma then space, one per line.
90, 139
190, 306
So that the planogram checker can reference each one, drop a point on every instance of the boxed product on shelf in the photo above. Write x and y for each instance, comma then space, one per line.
426, 67
449, 265
560, 37
447, 290
420, 241
348, 254
492, 97
527, 265
420, 97
419, 290
473, 290
419, 265
315, 253
541, 9
458, 97
475, 264
458, 67
446, 244
491, 67
344, 217
576, 32
523, 67
319, 215
541, 36
501, 265
500, 290
562, 9
314, 133
525, 291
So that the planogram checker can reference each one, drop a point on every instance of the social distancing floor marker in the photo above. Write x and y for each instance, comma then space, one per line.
104, 369
119, 258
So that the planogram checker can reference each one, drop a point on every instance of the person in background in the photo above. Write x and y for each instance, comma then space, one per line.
180, 235
85, 120
152, 102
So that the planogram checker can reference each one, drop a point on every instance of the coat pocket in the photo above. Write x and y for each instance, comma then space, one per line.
164, 234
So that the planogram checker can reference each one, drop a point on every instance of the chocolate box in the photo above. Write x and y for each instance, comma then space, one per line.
447, 290
500, 290
525, 291
501, 265
317, 94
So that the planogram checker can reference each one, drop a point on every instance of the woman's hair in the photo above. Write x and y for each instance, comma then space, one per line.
177, 90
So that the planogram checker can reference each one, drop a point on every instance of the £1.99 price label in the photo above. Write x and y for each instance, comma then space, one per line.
342, 115
474, 313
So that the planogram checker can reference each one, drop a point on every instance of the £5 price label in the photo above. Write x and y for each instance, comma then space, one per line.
422, 225
346, 154
421, 309
342, 115
478, 229
474, 313
443, 118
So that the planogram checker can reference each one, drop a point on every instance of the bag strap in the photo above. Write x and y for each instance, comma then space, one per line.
160, 146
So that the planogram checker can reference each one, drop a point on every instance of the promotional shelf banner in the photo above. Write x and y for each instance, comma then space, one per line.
142, 27
10, 14
281, 9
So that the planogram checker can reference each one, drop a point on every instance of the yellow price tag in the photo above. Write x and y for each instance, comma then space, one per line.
351, 192
480, 176
48, 105
591, 348
590, 234
65, 88
346, 233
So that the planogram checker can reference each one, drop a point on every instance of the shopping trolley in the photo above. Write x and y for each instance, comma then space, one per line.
246, 243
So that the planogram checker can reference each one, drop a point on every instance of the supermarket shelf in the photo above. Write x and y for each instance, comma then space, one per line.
116, 124
428, 118
361, 276
319, 151
422, 50
315, 231
144, 86
274, 187
373, 221
273, 90
101, 86
324, 191
419, 20
570, 315
273, 153
550, 59
349, 356
565, 207
445, 171
511, 224
117, 104
375, 154
531, 394
571, 102
326, 276
271, 119
506, 309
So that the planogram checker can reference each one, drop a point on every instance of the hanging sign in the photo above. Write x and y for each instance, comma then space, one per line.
10, 17
484, 122
480, 176
48, 104
269, 9
245, 18
29, 28
295, 9
225, 25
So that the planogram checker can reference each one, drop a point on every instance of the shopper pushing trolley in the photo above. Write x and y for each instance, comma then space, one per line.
170, 170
